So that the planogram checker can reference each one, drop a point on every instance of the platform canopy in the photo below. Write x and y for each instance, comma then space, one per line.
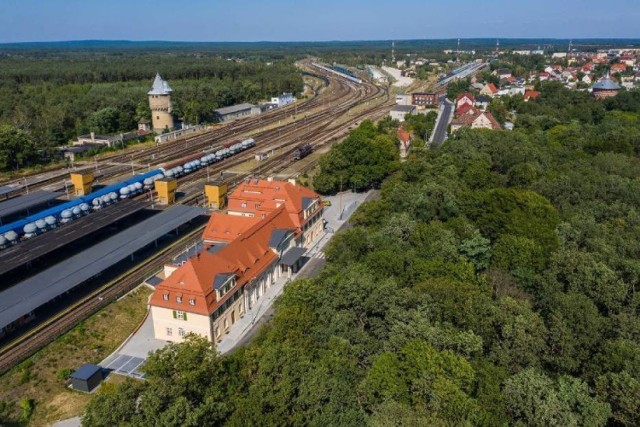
38, 290
26, 202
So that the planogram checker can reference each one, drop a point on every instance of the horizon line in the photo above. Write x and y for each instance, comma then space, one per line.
637, 39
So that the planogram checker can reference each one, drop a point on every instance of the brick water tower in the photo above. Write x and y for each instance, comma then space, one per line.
161, 104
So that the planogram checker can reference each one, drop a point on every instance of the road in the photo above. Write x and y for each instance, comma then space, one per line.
442, 122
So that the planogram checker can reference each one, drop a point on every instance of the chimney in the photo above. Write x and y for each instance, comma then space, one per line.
270, 179
292, 181
93, 136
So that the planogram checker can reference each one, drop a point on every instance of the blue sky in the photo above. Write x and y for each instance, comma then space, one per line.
289, 20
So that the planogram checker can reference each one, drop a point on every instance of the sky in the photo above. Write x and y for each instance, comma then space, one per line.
306, 20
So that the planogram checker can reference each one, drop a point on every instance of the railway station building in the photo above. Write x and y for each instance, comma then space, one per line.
243, 255
212, 290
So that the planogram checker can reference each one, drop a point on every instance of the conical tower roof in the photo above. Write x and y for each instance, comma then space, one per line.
160, 87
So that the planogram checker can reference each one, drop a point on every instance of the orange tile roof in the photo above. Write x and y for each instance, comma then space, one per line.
531, 94
262, 196
226, 228
466, 95
403, 135
467, 109
492, 120
246, 257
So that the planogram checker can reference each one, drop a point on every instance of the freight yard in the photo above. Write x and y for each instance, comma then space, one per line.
69, 247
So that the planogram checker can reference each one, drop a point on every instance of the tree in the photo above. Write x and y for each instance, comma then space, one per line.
106, 121
17, 148
534, 399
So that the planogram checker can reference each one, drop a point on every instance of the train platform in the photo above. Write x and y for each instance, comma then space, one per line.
27, 203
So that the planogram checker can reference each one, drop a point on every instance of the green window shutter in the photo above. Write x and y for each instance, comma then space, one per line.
185, 315
175, 316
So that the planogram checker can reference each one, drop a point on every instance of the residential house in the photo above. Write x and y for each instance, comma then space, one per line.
489, 90
502, 73
530, 94
465, 99
628, 60
482, 120
618, 68
405, 141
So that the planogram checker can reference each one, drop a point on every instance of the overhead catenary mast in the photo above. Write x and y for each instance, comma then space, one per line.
393, 52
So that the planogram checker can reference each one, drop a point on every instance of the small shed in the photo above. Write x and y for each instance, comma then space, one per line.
87, 378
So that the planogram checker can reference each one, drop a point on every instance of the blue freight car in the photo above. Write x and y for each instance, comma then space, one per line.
56, 212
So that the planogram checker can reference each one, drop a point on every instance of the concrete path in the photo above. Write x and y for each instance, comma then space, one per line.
71, 422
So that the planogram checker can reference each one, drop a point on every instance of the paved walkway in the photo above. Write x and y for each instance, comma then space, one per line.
71, 422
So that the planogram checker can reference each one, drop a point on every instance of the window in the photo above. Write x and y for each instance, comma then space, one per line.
192, 301
263, 216
165, 297
257, 205
169, 332
181, 332
217, 331
226, 324
243, 204
180, 315
179, 300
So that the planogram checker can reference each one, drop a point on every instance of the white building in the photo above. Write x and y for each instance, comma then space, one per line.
284, 99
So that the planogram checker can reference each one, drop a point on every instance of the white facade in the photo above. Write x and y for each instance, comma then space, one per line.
174, 325
284, 99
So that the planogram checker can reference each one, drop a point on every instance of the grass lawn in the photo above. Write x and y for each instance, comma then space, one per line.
42, 377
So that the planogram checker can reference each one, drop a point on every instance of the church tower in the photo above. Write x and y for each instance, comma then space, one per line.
161, 104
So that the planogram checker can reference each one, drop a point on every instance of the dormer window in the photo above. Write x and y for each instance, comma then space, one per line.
179, 300
192, 301
165, 297
243, 204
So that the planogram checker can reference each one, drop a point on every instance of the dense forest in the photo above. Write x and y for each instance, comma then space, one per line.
492, 283
50, 97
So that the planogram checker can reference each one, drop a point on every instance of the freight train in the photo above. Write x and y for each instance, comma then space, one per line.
43, 221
